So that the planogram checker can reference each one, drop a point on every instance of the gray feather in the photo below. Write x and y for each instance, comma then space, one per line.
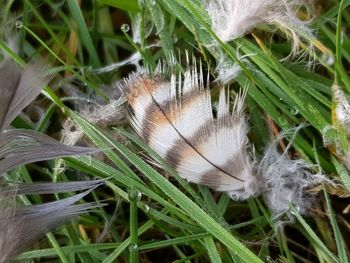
20, 147
49, 188
18, 88
21, 227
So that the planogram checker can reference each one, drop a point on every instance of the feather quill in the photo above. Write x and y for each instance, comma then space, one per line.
176, 119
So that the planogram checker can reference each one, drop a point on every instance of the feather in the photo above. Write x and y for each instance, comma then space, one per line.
176, 119
19, 88
20, 227
48, 188
231, 19
19, 147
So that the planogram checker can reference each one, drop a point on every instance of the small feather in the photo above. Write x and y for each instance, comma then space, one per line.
19, 88
19, 147
20, 227
203, 149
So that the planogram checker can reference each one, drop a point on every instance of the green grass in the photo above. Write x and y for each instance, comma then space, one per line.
172, 220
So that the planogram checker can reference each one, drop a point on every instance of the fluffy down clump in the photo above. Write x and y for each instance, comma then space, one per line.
231, 19
103, 116
285, 181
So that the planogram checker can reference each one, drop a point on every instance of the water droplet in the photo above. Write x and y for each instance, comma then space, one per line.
269, 259
187, 180
280, 99
146, 208
294, 111
135, 195
19, 24
328, 59
282, 122
152, 2
125, 28
133, 247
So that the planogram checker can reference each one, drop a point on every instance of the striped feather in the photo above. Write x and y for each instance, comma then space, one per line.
176, 119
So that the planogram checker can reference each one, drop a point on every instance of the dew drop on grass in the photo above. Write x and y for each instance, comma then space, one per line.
125, 28
328, 59
133, 247
135, 195
19, 24
146, 208
294, 111
283, 122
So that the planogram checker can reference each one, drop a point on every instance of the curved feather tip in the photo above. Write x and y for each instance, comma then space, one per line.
176, 119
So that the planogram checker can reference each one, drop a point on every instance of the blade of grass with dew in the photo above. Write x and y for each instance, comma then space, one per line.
342, 252
130, 5
212, 250
97, 168
174, 241
49, 252
84, 32
340, 71
165, 38
134, 199
314, 237
343, 173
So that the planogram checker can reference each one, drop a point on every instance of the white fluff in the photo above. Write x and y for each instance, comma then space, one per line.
282, 182
103, 116
231, 19
286, 181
